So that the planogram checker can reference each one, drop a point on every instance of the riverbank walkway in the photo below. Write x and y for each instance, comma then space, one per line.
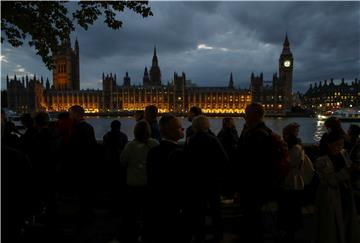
106, 226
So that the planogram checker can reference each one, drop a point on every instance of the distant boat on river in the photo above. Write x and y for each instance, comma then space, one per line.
345, 114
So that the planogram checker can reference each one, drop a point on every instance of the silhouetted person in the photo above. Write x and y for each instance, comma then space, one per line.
207, 160
83, 135
41, 151
115, 139
139, 115
254, 182
167, 186
27, 139
229, 138
114, 142
333, 124
133, 158
82, 146
354, 132
336, 219
150, 115
44, 158
9, 138
228, 135
16, 190
354, 151
292, 193
193, 112
64, 127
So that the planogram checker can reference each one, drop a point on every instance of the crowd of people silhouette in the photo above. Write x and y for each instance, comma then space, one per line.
164, 190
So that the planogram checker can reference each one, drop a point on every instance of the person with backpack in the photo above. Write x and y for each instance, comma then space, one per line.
262, 161
133, 158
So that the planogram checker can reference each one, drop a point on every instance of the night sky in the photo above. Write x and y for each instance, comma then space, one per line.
208, 40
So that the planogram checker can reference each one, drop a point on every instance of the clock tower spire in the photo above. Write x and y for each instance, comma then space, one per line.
283, 88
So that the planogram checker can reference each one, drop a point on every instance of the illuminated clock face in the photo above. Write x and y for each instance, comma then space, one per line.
287, 63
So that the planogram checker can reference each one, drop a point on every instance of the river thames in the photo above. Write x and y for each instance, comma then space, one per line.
310, 129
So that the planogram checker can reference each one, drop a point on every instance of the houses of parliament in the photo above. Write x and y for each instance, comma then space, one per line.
33, 94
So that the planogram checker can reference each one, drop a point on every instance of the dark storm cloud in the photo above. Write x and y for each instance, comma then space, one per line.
208, 40
324, 36
175, 27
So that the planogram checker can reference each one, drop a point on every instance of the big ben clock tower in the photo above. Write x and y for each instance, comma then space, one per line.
286, 65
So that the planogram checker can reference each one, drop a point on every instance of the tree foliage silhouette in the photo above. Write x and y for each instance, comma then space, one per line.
47, 25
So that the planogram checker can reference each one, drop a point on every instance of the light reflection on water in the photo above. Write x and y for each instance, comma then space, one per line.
311, 129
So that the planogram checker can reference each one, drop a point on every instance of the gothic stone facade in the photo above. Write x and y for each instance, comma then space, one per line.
26, 94
66, 72
329, 96
177, 96
276, 97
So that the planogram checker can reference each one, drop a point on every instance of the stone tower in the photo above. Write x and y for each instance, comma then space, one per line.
256, 87
155, 73
283, 87
127, 80
231, 82
66, 72
146, 79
